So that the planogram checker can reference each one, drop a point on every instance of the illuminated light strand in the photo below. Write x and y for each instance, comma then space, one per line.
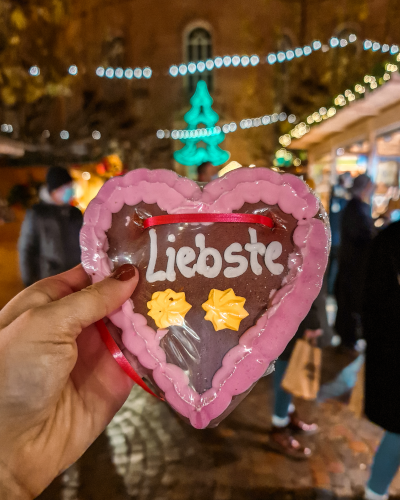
127, 73
341, 100
235, 61
226, 128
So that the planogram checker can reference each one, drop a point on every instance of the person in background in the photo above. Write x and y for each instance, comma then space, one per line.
381, 325
357, 231
285, 420
206, 172
49, 239
339, 198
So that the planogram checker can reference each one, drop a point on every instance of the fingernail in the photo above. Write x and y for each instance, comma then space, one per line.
124, 273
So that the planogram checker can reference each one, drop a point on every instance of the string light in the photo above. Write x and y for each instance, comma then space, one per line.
7, 128
64, 134
302, 128
96, 135
34, 71
73, 70
226, 128
127, 73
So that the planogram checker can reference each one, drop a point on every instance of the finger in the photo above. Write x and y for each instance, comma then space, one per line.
64, 319
44, 292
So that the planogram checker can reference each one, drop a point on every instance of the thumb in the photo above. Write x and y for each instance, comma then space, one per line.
69, 315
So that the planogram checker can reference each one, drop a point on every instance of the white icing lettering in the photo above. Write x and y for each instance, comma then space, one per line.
234, 272
200, 241
209, 271
151, 276
171, 274
185, 256
273, 251
255, 249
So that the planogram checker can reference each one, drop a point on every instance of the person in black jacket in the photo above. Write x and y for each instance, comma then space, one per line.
357, 231
381, 324
49, 239
285, 421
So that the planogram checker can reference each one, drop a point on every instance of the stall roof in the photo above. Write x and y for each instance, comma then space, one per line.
371, 105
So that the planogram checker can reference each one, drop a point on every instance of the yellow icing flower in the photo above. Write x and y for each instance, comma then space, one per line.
168, 308
225, 309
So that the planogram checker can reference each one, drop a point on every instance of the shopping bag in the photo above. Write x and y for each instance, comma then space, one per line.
356, 403
302, 377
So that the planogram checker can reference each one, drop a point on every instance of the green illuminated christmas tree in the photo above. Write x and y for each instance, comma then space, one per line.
201, 114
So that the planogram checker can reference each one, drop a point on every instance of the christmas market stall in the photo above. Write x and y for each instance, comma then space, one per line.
363, 137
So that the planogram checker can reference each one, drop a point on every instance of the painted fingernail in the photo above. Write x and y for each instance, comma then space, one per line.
124, 273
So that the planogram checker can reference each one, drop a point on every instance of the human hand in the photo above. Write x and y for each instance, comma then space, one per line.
59, 386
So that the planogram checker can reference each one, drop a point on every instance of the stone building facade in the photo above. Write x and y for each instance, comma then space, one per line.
158, 34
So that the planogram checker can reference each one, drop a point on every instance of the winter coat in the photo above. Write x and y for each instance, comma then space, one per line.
357, 231
381, 324
49, 241
315, 319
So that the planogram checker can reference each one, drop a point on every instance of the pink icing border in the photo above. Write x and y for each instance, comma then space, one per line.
258, 346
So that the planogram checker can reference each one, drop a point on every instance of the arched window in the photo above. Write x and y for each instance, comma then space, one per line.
199, 48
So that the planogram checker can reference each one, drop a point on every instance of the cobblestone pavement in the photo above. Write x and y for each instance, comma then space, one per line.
148, 453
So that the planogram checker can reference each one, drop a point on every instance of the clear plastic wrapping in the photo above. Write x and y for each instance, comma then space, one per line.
216, 302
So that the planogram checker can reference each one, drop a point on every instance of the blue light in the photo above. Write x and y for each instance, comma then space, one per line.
385, 47
192, 67
128, 73
298, 52
245, 61
201, 66
34, 71
281, 56
110, 73
100, 71
147, 72
218, 62
227, 61
138, 73
394, 49
367, 44
307, 50
73, 70
271, 58
289, 55
376, 46
316, 45
209, 64
254, 60
183, 69
119, 72
334, 42
235, 61
173, 71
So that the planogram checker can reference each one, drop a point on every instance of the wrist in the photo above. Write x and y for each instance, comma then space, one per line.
10, 487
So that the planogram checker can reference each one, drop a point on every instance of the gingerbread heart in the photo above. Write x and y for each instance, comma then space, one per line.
217, 301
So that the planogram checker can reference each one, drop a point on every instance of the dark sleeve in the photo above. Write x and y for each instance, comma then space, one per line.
357, 224
381, 295
29, 250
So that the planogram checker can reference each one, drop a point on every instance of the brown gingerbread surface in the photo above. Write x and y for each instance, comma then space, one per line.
196, 347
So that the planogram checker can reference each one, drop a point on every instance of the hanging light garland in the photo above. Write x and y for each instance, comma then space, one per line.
226, 128
235, 61
341, 100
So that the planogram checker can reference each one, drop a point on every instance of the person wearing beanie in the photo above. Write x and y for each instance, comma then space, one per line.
357, 231
49, 238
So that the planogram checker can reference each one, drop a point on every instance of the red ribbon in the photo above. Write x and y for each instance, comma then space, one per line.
176, 218
120, 358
